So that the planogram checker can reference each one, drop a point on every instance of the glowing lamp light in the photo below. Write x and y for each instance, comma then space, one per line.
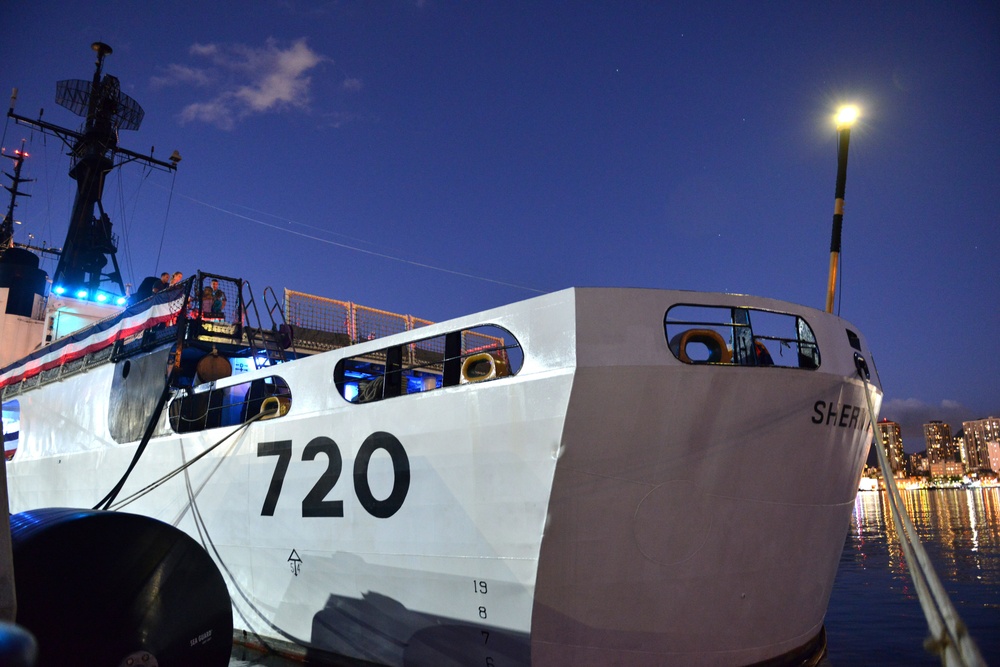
102, 297
59, 289
120, 301
351, 391
81, 294
846, 116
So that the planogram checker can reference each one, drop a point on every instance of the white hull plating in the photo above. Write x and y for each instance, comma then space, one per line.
608, 504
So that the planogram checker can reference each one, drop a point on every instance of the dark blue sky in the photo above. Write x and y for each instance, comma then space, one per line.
438, 158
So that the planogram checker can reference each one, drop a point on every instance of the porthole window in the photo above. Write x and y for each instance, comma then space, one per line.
11, 428
469, 356
740, 336
230, 406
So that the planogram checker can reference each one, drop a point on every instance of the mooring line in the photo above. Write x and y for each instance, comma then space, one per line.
176, 471
949, 638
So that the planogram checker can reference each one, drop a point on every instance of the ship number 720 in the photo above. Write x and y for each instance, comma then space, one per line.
315, 502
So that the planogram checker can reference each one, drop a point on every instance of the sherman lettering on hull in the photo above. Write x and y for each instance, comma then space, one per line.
842, 415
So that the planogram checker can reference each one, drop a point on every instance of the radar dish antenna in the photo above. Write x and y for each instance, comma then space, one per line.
100, 100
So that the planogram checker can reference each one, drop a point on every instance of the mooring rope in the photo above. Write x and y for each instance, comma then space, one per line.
949, 638
106, 501
176, 471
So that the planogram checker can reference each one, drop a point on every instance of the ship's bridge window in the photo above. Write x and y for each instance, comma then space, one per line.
478, 354
230, 406
740, 337
11, 428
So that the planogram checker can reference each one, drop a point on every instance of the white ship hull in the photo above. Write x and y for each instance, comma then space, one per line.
607, 504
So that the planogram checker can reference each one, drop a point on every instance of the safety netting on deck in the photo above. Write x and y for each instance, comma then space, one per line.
324, 323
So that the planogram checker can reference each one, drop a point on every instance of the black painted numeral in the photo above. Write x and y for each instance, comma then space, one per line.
283, 450
315, 503
382, 509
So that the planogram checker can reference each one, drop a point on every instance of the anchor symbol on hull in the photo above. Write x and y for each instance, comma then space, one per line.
294, 562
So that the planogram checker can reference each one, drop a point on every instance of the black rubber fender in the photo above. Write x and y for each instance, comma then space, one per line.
97, 587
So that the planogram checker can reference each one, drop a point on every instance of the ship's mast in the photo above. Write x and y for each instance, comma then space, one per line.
7, 226
90, 243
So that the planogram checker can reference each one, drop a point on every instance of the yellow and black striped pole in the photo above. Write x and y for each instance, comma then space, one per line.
845, 119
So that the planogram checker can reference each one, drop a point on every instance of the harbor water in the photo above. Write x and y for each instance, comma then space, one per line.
874, 616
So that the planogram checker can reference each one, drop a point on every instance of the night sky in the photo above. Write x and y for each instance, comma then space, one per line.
440, 158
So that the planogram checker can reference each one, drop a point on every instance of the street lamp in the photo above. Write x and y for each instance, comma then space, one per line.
845, 118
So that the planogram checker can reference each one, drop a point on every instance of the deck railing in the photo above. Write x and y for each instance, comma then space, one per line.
322, 323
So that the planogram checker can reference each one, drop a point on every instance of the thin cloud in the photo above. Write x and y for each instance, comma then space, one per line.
244, 80
181, 75
216, 112
338, 119
283, 81
204, 49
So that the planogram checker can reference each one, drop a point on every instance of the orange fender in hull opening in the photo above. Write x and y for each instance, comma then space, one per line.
718, 351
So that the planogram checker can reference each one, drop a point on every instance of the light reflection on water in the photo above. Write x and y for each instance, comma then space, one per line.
874, 616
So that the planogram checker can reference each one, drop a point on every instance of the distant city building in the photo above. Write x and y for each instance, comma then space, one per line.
958, 440
947, 469
978, 435
940, 445
892, 439
993, 455
918, 464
